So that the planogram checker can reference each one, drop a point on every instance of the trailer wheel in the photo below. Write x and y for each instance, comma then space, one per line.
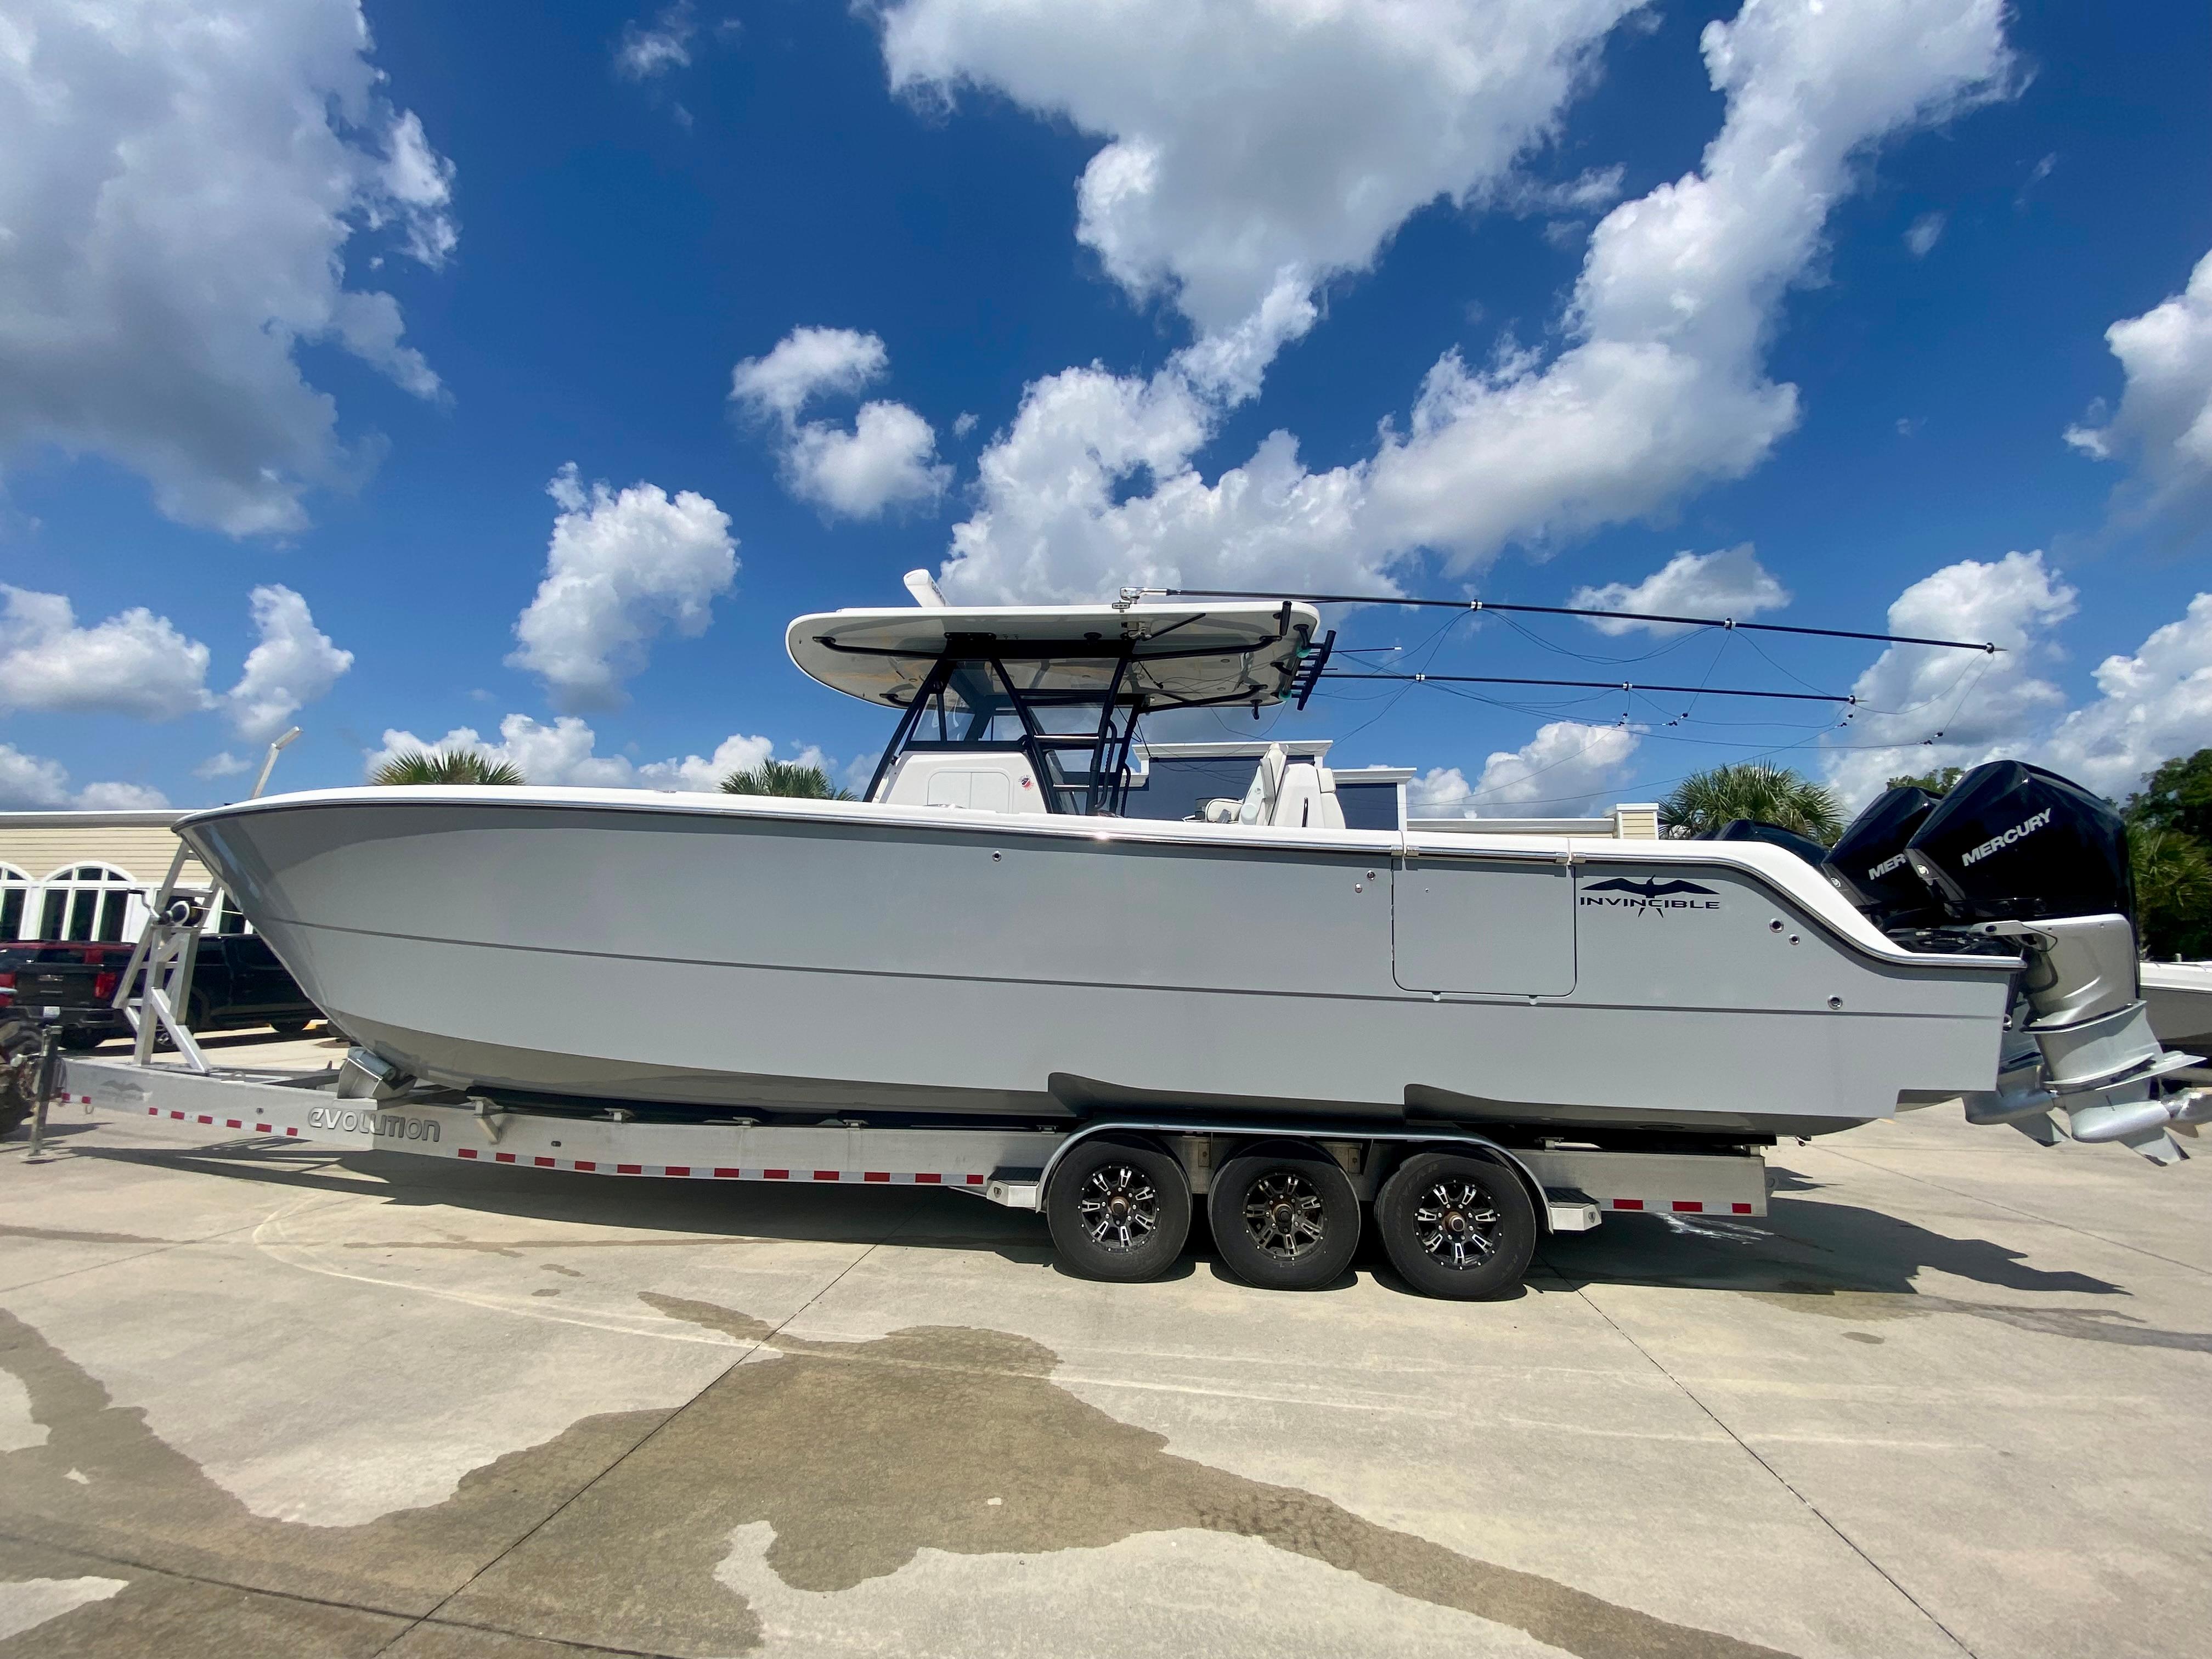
1119, 1210
19, 1071
1284, 1218
1455, 1226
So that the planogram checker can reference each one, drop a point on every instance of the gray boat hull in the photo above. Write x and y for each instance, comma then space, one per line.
715, 955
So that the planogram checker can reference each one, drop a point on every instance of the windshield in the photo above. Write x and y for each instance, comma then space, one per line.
1077, 738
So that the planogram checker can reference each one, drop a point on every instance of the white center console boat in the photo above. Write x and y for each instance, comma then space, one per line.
1394, 1015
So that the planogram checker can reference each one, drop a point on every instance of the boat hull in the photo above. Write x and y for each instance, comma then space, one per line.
710, 956
2179, 994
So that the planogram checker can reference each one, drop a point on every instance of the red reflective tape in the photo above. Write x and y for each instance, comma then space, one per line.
629, 1168
679, 1168
466, 1151
290, 1130
1740, 1209
209, 1121
585, 1164
232, 1123
547, 1162
264, 1128
825, 1174
975, 1181
502, 1158
1690, 1205
927, 1180
776, 1175
875, 1174
180, 1116
1627, 1203
727, 1175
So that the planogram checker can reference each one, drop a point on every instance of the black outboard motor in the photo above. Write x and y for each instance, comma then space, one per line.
2018, 853
1774, 835
1868, 866
2014, 842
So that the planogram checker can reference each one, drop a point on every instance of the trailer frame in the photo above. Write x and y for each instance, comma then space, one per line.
362, 1104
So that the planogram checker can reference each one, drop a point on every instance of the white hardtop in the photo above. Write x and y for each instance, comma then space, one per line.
1245, 652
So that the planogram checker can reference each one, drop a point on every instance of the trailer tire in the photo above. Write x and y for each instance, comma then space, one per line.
1119, 1208
1284, 1218
19, 1071
1457, 1227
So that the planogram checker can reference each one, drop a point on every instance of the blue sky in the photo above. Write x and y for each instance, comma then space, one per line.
1512, 299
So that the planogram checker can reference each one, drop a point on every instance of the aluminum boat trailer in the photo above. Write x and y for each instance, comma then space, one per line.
1460, 1214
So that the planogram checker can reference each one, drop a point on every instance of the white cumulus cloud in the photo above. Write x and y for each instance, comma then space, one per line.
1731, 583
296, 664
1922, 235
805, 364
1922, 706
561, 754
647, 50
621, 566
1663, 386
30, 783
2157, 705
181, 186
1567, 767
1660, 388
888, 459
134, 663
119, 797
2163, 427
1254, 143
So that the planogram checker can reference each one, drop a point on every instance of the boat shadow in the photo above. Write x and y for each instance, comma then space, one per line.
1802, 1247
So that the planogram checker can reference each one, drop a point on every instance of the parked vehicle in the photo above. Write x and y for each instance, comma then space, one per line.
237, 983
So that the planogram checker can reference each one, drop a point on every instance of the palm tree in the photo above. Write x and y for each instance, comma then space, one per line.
445, 766
1937, 783
775, 777
2173, 891
1703, 802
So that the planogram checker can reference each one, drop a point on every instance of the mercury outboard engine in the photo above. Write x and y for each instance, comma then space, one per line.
1868, 863
1774, 835
2018, 853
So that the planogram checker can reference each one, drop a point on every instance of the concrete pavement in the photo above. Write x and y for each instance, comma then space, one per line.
258, 1398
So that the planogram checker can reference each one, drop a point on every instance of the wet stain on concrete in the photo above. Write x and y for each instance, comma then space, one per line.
62, 1236
966, 1446
857, 1453
2077, 1324
105, 1486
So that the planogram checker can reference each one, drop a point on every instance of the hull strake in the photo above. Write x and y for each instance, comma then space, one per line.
720, 959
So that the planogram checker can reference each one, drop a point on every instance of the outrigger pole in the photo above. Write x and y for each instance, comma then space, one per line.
1565, 610
1592, 685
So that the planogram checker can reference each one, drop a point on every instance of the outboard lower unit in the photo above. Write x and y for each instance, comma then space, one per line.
2017, 854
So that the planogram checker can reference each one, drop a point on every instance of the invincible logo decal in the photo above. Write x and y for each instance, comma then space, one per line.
1998, 843
1649, 895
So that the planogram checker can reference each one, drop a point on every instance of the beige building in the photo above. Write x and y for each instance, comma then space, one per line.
87, 875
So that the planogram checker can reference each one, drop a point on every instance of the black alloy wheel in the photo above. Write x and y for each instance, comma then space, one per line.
1119, 1209
1284, 1218
1457, 1227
